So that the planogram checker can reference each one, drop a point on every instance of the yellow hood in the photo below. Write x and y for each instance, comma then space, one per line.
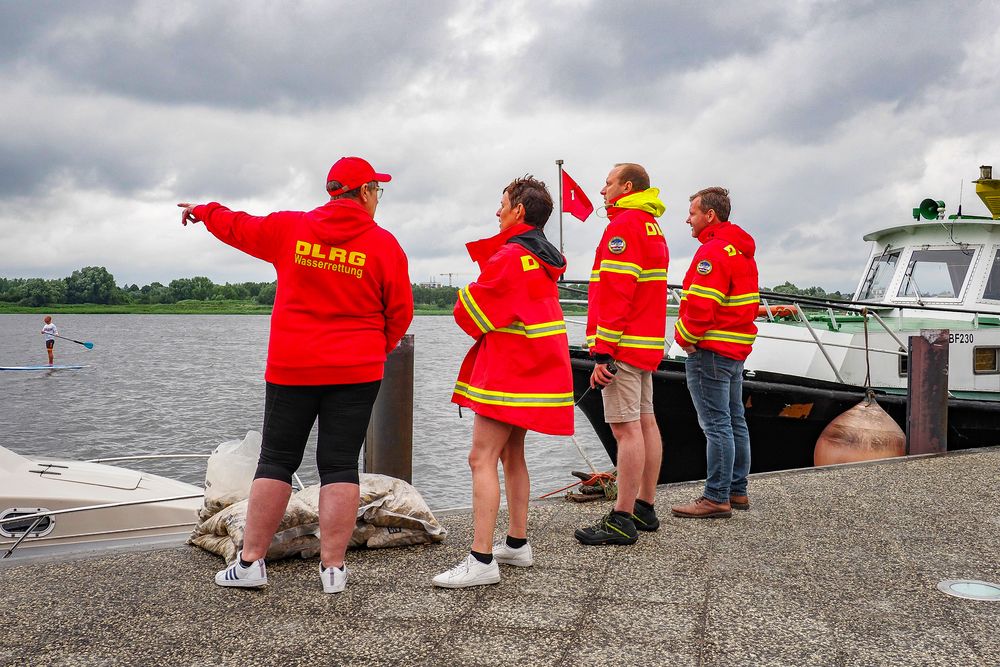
647, 200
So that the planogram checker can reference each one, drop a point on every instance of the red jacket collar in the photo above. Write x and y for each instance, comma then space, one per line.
483, 249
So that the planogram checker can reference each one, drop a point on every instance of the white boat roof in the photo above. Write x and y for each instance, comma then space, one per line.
935, 227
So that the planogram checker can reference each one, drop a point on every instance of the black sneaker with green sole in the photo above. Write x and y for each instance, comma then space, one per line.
611, 529
645, 519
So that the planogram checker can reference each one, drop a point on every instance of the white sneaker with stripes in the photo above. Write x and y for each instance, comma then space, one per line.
334, 579
236, 575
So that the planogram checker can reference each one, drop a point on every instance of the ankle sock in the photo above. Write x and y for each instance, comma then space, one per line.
516, 542
245, 564
626, 515
485, 559
643, 503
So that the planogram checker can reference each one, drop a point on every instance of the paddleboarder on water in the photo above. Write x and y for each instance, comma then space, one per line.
50, 332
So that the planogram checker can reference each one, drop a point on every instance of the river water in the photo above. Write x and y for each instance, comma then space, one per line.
158, 384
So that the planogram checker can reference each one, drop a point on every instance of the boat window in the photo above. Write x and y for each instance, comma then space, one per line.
936, 273
879, 276
992, 290
984, 360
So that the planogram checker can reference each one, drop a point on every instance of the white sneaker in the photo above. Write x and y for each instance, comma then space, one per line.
334, 580
254, 576
470, 572
521, 557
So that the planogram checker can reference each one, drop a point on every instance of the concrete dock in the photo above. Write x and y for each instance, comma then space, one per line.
833, 566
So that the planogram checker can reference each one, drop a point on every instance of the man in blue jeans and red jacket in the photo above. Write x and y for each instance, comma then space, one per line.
715, 326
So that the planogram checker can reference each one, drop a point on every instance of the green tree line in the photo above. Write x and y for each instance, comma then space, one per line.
95, 285
819, 292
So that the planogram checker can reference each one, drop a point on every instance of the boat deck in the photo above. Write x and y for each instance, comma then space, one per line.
832, 566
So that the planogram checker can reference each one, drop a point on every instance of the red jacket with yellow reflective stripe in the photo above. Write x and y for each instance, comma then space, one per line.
719, 302
518, 370
627, 297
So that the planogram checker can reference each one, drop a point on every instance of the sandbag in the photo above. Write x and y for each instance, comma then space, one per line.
390, 513
230, 472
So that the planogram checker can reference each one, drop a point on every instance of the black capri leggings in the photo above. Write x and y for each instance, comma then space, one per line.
290, 411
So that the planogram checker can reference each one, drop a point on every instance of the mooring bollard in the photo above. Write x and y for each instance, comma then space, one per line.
389, 441
927, 393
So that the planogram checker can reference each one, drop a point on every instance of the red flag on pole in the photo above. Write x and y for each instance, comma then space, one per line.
575, 201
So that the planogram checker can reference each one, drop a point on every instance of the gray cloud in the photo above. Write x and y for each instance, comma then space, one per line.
256, 55
825, 119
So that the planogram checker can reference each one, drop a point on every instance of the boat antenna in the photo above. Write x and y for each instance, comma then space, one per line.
964, 247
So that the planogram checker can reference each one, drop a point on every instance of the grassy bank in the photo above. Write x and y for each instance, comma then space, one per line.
179, 308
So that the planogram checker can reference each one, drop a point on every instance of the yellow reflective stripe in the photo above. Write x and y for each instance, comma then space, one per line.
535, 330
729, 336
652, 274
720, 298
475, 312
627, 268
609, 335
591, 341
595, 276
706, 292
645, 342
742, 299
490, 397
685, 334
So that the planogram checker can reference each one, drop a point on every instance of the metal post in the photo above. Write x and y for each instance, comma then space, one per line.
559, 163
389, 441
927, 393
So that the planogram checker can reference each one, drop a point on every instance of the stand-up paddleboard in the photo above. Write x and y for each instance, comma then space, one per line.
40, 368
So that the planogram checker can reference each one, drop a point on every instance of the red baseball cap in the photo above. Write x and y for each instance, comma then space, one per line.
352, 172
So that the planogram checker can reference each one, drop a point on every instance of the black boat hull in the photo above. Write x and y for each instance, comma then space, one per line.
785, 415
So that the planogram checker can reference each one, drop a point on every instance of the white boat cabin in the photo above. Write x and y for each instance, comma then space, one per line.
936, 272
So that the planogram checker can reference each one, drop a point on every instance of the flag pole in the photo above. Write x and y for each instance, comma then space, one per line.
559, 163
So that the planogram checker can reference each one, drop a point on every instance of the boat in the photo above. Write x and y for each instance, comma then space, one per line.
51, 507
812, 356
42, 368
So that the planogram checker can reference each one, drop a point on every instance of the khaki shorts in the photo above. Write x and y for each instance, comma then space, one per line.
629, 395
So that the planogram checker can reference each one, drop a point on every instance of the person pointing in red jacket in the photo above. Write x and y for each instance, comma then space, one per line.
343, 302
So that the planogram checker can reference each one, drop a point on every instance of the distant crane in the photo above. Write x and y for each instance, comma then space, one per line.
452, 274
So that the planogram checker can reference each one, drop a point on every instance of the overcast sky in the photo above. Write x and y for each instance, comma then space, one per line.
825, 119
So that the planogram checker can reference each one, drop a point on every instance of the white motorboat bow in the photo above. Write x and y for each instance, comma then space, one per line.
54, 506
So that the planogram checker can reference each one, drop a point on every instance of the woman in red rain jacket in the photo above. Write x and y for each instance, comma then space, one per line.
517, 375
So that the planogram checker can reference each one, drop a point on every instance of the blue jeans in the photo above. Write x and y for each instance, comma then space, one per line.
716, 386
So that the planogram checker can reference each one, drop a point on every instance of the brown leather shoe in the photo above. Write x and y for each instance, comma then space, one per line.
740, 502
703, 508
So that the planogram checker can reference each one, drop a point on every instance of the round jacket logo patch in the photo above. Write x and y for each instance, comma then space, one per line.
617, 245
704, 267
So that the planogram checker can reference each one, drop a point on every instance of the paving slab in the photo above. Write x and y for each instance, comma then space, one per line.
831, 566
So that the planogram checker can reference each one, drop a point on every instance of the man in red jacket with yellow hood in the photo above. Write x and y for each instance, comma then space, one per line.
343, 303
626, 322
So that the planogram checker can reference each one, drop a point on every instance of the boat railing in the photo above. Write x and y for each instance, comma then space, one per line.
794, 306
296, 480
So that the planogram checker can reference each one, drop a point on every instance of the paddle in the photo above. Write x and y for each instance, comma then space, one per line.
88, 344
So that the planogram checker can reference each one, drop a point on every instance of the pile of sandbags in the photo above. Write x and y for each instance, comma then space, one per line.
391, 513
